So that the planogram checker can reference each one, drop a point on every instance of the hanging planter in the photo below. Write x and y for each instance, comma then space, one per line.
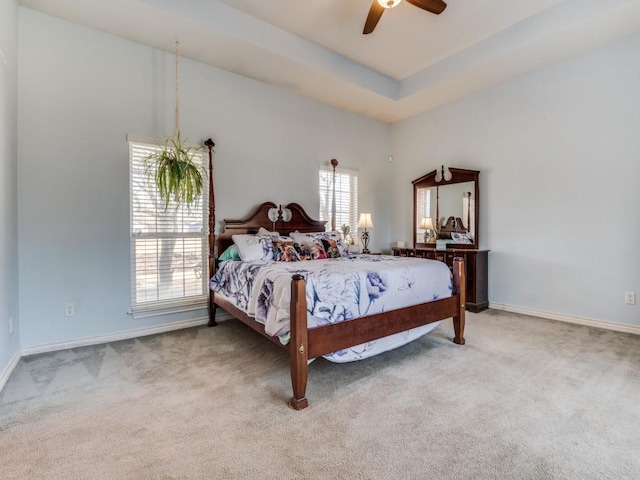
175, 173
174, 168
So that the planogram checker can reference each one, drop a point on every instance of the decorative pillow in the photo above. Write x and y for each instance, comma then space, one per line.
231, 253
249, 247
317, 250
264, 231
285, 251
256, 247
304, 252
335, 237
331, 248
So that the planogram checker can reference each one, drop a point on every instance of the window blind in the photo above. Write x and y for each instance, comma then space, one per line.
168, 247
346, 198
423, 208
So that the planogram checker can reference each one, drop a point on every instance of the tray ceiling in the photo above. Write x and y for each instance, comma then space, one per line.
412, 62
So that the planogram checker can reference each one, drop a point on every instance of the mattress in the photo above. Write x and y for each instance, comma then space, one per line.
337, 289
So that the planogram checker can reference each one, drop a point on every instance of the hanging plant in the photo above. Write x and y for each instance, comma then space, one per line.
174, 168
175, 172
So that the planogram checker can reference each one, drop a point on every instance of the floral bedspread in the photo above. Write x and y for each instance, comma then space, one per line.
336, 289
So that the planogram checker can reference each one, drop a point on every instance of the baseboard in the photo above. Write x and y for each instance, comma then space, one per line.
590, 322
126, 335
6, 373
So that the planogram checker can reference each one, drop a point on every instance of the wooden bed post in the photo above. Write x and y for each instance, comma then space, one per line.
211, 306
460, 285
334, 164
298, 344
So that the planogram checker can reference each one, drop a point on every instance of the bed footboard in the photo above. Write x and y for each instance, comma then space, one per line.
305, 342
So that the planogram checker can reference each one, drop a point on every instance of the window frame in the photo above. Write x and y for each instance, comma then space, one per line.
350, 213
178, 303
426, 210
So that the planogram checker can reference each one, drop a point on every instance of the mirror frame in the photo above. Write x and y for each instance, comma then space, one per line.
458, 175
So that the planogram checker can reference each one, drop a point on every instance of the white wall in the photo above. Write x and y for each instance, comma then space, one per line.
9, 342
559, 154
557, 150
81, 91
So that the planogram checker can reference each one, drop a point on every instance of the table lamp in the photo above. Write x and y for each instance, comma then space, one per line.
365, 222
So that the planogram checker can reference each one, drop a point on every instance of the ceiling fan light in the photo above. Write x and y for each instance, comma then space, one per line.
389, 3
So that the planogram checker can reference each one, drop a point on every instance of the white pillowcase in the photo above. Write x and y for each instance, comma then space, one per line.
256, 247
250, 247
264, 231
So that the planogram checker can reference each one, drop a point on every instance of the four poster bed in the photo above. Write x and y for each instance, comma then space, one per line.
284, 301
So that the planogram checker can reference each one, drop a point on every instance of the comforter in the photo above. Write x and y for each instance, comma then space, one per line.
337, 289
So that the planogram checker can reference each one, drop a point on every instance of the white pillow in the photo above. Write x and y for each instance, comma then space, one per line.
251, 247
256, 247
264, 231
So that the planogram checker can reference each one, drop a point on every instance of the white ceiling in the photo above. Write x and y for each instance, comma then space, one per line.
413, 61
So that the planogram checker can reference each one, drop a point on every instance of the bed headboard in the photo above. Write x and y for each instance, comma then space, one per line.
288, 219
284, 220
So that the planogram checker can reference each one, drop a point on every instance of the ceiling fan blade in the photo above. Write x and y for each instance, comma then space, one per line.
375, 13
433, 6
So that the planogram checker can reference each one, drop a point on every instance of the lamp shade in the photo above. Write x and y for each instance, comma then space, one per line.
389, 3
365, 221
426, 223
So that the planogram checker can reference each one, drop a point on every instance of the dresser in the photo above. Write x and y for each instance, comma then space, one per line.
476, 270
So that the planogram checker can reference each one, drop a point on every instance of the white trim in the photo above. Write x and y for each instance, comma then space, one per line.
13, 363
142, 139
114, 337
589, 322
157, 142
349, 171
168, 309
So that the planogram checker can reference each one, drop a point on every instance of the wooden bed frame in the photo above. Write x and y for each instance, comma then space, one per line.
314, 342
306, 343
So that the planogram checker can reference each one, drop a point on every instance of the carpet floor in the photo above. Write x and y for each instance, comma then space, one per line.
525, 398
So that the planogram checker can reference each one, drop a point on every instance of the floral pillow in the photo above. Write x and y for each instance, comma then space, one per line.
316, 249
285, 251
304, 251
331, 248
289, 251
334, 239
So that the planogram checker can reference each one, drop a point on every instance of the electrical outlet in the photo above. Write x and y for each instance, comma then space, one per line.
630, 298
10, 325
69, 309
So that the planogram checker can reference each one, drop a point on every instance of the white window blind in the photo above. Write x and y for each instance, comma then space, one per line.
346, 198
423, 208
168, 247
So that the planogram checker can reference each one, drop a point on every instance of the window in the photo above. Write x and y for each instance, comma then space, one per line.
168, 247
423, 208
346, 198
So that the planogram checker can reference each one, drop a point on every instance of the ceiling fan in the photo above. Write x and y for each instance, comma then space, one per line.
379, 6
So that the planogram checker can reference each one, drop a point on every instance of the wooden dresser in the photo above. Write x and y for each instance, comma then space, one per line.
476, 263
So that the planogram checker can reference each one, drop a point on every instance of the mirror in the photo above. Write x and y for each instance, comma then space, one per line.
445, 207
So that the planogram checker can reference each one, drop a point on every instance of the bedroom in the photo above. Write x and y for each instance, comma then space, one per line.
556, 147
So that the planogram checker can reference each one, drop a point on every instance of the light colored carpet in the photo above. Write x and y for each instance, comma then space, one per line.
526, 398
